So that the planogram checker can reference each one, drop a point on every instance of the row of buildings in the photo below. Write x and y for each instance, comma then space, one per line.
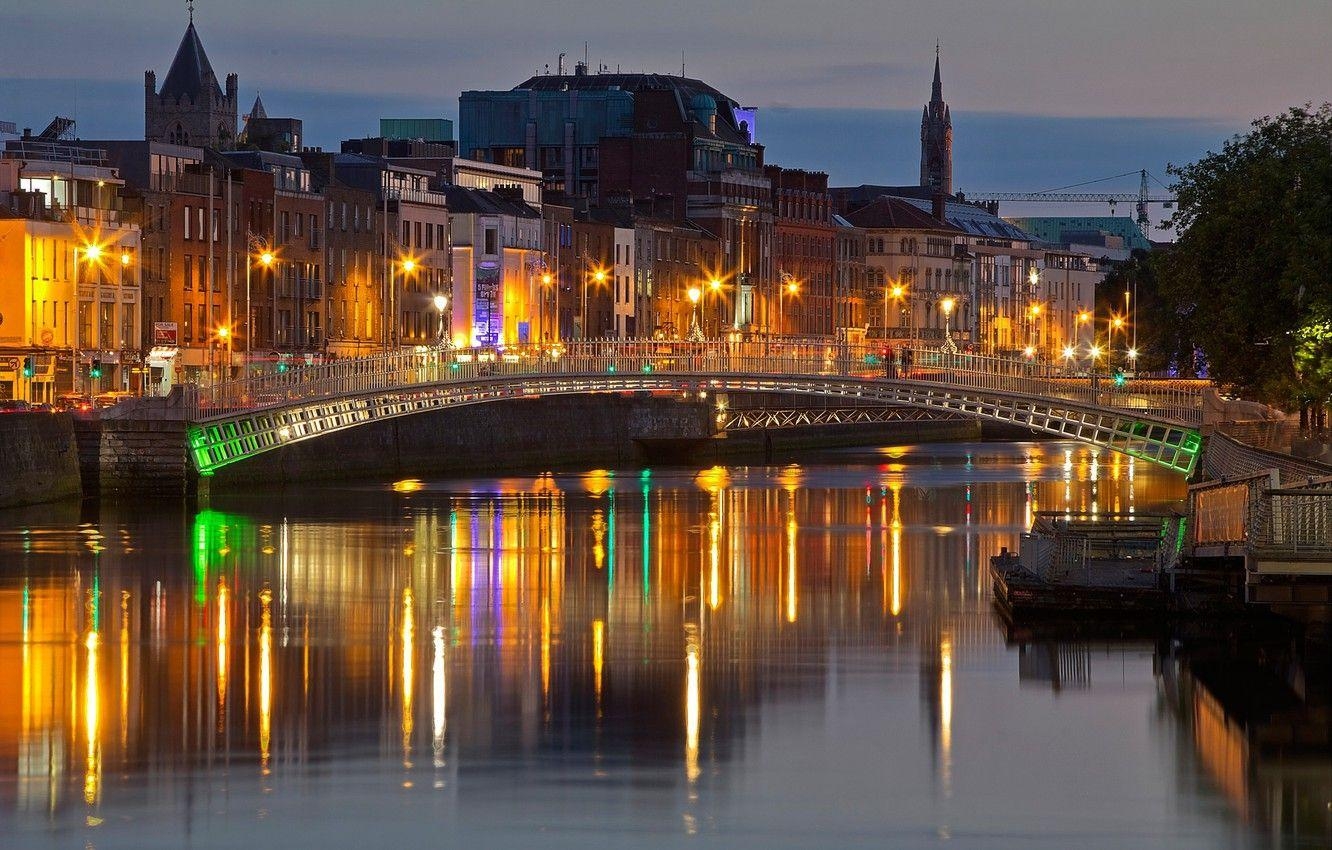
575, 205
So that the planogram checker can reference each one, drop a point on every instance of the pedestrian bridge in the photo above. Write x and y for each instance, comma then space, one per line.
1157, 420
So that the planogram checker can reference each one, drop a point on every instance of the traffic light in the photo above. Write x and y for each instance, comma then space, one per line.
28, 370
1120, 378
95, 370
282, 367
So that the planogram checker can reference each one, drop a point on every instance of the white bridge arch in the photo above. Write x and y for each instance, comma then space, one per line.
1156, 420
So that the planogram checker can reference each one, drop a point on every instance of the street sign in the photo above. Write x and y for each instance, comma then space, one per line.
47, 336
164, 333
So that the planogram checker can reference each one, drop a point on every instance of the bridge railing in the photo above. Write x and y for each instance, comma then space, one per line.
1225, 512
1178, 400
1297, 519
1174, 400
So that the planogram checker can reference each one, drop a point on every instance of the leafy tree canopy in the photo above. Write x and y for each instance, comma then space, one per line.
1249, 281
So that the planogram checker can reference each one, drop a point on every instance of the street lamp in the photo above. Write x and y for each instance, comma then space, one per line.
947, 305
695, 332
1116, 323
1082, 318
223, 336
897, 291
1034, 338
91, 253
391, 325
716, 286
266, 259
789, 286
441, 304
546, 280
599, 276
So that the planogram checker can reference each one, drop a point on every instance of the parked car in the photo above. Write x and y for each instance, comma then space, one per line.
105, 400
14, 405
73, 402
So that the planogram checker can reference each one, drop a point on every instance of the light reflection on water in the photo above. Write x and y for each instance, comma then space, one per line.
777, 656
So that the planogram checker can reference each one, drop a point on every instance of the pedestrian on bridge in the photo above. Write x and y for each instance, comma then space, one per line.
889, 362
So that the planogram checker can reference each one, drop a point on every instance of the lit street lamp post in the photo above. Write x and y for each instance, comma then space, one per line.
897, 291
600, 277
1034, 341
266, 260
1116, 323
789, 285
947, 305
91, 253
546, 280
716, 285
223, 338
441, 304
695, 332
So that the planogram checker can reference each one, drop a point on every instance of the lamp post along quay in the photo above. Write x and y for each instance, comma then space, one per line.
442, 304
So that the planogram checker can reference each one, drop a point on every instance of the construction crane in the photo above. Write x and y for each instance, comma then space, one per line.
1142, 199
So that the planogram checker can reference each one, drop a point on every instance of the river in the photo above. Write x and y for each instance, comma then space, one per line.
799, 655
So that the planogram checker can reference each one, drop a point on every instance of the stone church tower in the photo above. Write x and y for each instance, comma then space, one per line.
936, 139
191, 108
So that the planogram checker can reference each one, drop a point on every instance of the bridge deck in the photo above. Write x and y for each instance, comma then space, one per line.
1154, 420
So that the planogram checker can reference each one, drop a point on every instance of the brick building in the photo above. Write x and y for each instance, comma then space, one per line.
604, 137
804, 255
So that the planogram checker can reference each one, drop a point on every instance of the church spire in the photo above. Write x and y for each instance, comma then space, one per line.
936, 137
936, 93
191, 107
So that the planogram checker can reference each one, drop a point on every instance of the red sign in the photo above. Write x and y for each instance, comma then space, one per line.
164, 333
47, 336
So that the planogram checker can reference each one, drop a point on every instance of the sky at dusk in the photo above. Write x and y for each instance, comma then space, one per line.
1044, 93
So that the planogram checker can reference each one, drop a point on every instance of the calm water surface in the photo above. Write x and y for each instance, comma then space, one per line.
785, 656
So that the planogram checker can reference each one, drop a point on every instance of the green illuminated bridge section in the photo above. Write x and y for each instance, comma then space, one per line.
1156, 420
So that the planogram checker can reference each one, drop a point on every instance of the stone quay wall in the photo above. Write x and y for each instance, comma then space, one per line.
39, 459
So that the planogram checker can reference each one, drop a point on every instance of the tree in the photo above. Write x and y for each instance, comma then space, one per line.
1248, 282
1159, 341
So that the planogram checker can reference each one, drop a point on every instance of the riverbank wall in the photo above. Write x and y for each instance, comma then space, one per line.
39, 459
767, 444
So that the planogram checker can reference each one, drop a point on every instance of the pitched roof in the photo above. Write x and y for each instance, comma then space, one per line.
463, 200
188, 69
885, 212
976, 221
